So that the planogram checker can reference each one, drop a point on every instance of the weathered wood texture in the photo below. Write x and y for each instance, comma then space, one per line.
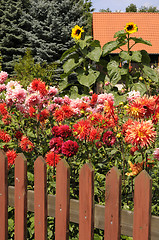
142, 206
62, 201
83, 211
126, 216
86, 203
40, 199
20, 197
3, 196
112, 205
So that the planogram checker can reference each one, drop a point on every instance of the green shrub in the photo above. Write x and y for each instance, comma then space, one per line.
26, 70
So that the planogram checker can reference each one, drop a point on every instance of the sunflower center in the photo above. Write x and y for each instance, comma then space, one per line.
78, 32
130, 27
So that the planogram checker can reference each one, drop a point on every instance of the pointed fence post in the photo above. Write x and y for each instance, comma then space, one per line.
40, 199
86, 202
62, 211
3, 196
112, 205
20, 197
142, 206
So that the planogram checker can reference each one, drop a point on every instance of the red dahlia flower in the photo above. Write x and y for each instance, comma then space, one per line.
32, 111
81, 129
38, 85
26, 145
43, 115
55, 131
64, 112
109, 138
52, 158
56, 144
3, 109
94, 134
93, 100
11, 155
5, 137
18, 134
65, 131
70, 148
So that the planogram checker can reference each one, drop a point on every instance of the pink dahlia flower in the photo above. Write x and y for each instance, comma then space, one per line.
3, 76
156, 153
33, 99
2, 87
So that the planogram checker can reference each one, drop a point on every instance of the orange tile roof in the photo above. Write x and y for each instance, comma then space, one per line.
105, 25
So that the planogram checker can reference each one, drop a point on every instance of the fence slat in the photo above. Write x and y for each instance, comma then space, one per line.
40, 199
112, 205
3, 196
142, 206
86, 203
62, 201
20, 197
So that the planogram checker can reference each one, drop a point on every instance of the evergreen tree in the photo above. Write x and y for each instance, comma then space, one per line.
48, 26
12, 38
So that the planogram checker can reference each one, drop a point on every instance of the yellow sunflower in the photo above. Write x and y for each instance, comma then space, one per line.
131, 28
76, 32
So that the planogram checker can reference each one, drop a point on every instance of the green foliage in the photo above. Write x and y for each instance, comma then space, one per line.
78, 61
131, 8
26, 70
81, 64
148, 9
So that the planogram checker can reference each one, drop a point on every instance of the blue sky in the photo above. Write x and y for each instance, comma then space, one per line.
114, 5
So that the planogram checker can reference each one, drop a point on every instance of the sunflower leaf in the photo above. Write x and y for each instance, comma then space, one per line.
120, 34
124, 55
139, 87
109, 47
88, 80
95, 51
70, 65
150, 73
67, 53
136, 56
145, 57
140, 40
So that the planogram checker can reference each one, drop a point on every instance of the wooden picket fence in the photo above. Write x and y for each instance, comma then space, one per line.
111, 218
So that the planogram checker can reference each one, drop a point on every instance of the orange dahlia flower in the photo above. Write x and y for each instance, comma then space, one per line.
140, 133
136, 168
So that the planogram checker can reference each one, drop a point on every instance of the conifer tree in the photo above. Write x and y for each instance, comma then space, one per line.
49, 24
12, 37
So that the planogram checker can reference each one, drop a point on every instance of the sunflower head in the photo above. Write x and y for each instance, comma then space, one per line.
131, 28
77, 32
